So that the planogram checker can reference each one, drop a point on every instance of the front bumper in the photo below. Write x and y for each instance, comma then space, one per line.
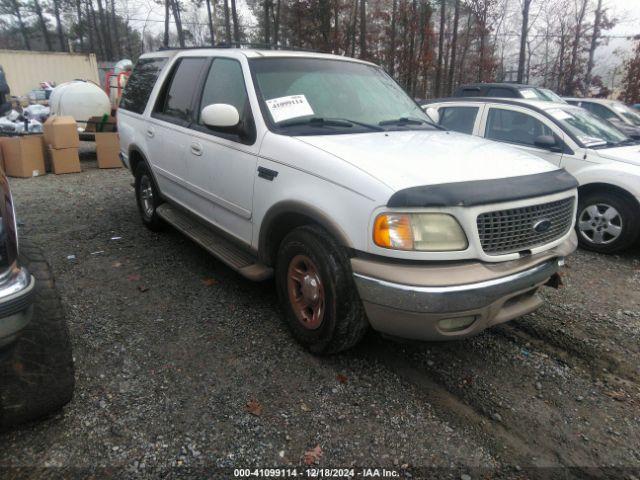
444, 302
16, 304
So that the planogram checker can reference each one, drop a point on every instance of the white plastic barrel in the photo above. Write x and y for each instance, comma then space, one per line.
79, 99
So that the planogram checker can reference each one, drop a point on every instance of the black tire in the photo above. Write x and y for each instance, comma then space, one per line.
36, 371
628, 220
150, 219
344, 322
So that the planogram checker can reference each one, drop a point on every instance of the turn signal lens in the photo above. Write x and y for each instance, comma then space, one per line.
428, 232
393, 231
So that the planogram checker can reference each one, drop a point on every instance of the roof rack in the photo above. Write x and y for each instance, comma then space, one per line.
261, 46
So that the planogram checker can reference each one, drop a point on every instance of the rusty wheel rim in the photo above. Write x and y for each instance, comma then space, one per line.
306, 292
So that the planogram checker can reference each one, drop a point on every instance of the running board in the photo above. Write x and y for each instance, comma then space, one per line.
226, 251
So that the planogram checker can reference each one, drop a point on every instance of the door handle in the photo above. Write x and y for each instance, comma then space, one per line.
151, 132
196, 148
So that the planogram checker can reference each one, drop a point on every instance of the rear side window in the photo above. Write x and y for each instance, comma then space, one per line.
469, 92
501, 92
176, 101
599, 110
458, 119
143, 78
514, 127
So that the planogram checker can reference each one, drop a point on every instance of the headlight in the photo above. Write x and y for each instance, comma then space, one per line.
431, 232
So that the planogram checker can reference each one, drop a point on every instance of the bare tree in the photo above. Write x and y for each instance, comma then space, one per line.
577, 35
392, 39
37, 8
363, 29
14, 8
526, 5
236, 26
438, 86
454, 46
212, 35
56, 13
595, 35
165, 41
227, 22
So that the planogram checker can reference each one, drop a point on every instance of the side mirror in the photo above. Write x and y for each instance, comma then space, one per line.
433, 114
220, 115
548, 142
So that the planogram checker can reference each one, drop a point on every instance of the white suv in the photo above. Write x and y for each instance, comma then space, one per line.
604, 160
320, 170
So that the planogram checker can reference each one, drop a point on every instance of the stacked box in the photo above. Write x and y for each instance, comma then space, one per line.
62, 139
108, 150
23, 156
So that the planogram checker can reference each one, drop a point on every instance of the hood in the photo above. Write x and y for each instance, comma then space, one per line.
629, 154
403, 159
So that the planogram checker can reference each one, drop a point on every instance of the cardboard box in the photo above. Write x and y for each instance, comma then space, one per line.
108, 150
64, 160
101, 124
61, 132
23, 156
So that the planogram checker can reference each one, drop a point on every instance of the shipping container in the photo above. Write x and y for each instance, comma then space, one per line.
25, 69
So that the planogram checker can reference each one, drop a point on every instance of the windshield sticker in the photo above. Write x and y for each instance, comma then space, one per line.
528, 93
559, 114
292, 106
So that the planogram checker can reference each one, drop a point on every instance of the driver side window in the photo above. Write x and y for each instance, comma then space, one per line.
514, 127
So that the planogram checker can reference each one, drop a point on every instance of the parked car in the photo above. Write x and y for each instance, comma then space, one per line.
604, 160
507, 90
36, 366
636, 106
319, 170
624, 118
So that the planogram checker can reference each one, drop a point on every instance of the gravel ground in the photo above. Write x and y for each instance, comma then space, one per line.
184, 368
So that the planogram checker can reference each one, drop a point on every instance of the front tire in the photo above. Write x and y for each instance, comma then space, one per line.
607, 222
148, 198
317, 293
36, 371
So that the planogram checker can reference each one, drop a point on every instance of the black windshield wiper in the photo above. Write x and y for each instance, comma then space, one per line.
328, 122
402, 121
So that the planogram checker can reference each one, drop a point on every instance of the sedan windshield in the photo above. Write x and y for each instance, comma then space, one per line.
302, 96
590, 130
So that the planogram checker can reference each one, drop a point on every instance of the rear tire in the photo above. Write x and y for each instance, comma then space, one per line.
148, 198
36, 371
321, 305
607, 222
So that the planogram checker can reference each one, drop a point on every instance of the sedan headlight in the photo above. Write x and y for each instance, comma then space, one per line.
430, 232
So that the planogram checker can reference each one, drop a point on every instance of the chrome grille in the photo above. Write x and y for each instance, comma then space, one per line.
512, 230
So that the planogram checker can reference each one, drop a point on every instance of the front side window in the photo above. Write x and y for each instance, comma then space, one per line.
177, 101
458, 119
318, 96
514, 127
225, 84
587, 128
143, 78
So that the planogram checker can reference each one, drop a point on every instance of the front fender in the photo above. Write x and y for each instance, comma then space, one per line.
622, 175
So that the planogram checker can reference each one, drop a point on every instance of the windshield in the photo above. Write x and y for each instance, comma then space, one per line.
540, 94
590, 130
551, 95
319, 96
630, 116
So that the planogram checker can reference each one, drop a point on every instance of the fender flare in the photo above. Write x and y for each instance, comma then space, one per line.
299, 210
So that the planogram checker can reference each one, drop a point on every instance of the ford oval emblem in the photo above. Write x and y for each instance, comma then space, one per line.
542, 226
